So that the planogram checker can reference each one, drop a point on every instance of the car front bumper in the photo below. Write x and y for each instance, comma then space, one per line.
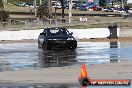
62, 43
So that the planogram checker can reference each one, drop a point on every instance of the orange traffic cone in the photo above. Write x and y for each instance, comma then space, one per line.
84, 78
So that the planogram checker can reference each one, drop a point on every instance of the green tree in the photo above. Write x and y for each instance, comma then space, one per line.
42, 11
1, 4
121, 0
4, 16
62, 5
102, 3
25, 0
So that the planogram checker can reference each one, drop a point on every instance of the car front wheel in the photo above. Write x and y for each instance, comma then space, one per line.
45, 47
72, 47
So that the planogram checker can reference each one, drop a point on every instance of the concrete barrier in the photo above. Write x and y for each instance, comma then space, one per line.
78, 33
92, 33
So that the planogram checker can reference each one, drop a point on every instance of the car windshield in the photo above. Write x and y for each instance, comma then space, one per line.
57, 31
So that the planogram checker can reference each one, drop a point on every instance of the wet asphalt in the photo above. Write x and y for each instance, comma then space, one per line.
19, 56
13, 85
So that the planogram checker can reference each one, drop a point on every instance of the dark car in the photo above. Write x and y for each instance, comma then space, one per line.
29, 4
20, 4
108, 9
75, 6
83, 7
56, 38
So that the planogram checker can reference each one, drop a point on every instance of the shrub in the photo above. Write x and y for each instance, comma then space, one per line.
4, 16
43, 11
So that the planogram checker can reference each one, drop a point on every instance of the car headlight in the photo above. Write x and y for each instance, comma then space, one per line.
70, 39
51, 39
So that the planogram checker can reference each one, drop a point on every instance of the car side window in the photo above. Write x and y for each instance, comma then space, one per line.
62, 32
43, 33
47, 32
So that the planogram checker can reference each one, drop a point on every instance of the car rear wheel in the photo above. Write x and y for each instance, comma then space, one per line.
39, 45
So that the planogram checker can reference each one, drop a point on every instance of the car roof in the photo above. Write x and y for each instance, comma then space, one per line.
55, 28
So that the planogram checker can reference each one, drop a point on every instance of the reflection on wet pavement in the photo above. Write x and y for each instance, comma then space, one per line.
56, 58
114, 56
19, 56
98, 52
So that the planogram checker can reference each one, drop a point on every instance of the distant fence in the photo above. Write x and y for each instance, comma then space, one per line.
79, 14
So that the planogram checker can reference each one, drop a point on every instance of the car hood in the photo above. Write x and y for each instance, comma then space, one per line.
59, 37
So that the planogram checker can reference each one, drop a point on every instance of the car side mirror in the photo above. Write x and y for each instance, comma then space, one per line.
41, 33
71, 33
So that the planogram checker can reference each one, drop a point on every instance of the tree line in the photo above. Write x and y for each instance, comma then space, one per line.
42, 10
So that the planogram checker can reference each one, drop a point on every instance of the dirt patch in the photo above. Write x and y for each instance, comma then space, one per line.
18, 41
123, 39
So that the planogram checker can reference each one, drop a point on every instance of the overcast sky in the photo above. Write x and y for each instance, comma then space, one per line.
129, 1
